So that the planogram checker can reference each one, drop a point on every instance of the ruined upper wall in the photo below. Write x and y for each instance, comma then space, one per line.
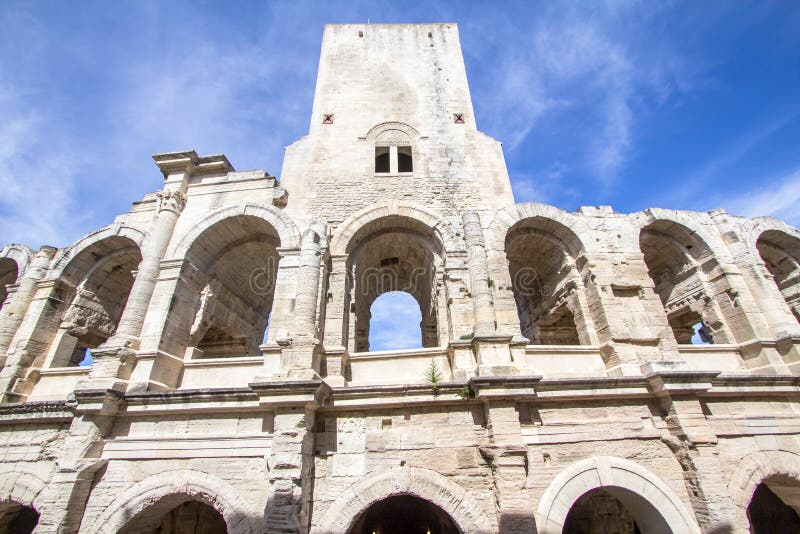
400, 84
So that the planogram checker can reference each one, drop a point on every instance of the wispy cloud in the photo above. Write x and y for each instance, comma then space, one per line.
585, 62
778, 198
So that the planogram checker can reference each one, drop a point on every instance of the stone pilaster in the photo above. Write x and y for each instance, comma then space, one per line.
693, 442
291, 460
506, 451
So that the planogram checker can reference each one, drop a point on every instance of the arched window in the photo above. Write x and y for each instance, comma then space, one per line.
394, 144
395, 321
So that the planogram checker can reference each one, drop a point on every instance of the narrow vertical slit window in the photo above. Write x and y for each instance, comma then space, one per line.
404, 160
381, 159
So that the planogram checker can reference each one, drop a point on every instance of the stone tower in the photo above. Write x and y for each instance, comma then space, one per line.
203, 363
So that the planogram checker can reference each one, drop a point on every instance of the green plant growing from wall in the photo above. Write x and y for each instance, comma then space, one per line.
434, 377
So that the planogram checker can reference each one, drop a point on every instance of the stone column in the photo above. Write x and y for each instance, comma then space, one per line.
300, 358
478, 266
14, 310
118, 351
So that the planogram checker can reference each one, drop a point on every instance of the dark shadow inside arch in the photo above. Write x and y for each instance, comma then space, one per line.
189, 517
404, 514
17, 519
774, 505
8, 275
614, 509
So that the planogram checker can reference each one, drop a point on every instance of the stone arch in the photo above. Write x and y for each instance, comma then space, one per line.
654, 502
462, 508
777, 249
378, 129
549, 215
19, 254
287, 231
757, 467
161, 492
342, 242
394, 247
685, 264
534, 253
696, 223
753, 229
21, 486
65, 257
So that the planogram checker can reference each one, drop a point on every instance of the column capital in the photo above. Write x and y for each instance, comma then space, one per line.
171, 200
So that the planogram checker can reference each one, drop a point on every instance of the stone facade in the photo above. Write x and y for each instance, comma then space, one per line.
570, 391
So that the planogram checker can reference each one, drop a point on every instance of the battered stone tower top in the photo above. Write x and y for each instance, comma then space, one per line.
393, 120
411, 73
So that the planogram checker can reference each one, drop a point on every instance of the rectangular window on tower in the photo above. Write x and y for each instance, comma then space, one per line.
381, 159
404, 160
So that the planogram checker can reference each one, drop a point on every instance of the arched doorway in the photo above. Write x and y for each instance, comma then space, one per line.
404, 514
189, 517
600, 510
774, 506
17, 519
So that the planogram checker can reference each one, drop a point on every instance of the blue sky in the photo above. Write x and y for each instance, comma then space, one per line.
691, 105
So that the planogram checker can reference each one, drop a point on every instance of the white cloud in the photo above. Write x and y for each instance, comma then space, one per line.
778, 198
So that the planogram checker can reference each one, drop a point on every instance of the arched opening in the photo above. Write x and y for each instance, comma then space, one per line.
225, 300
614, 509
188, 517
541, 260
98, 281
8, 275
395, 320
781, 255
393, 254
404, 514
681, 265
17, 519
774, 506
